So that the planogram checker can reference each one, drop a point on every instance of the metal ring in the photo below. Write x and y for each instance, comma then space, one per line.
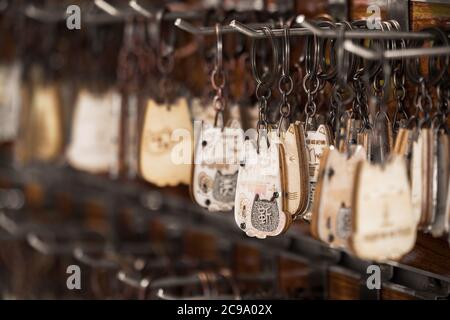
286, 80
316, 87
436, 65
218, 74
266, 80
219, 47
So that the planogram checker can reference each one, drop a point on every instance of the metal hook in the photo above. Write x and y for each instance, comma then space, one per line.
108, 8
140, 9
359, 34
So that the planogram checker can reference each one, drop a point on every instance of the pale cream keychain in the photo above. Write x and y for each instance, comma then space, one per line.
293, 153
384, 226
294, 170
331, 211
165, 154
216, 155
421, 176
216, 165
10, 101
95, 138
316, 141
258, 205
442, 172
41, 129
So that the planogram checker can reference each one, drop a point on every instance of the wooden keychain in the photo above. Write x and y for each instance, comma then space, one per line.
383, 226
41, 127
10, 100
318, 136
331, 211
294, 157
94, 145
165, 154
218, 148
441, 160
258, 204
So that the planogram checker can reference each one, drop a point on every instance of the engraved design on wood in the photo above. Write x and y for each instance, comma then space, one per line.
265, 215
224, 187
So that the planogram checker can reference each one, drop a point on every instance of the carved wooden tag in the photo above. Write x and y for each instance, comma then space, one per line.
295, 164
41, 127
258, 205
383, 225
216, 166
316, 142
95, 133
441, 171
166, 144
10, 101
332, 212
421, 177
404, 146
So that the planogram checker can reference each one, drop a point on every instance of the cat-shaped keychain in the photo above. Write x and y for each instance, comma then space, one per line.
258, 207
216, 155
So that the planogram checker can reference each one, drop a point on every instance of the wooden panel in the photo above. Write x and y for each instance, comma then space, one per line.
428, 14
430, 254
343, 284
395, 292
293, 277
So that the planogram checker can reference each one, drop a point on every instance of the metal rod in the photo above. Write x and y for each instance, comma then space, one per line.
204, 31
310, 29
394, 54
363, 34
169, 16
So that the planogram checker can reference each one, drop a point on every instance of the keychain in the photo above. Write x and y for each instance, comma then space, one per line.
441, 160
94, 146
318, 136
216, 156
10, 100
294, 158
384, 226
41, 128
258, 205
166, 141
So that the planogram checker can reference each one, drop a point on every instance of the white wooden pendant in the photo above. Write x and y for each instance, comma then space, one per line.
295, 165
94, 146
258, 204
331, 211
216, 166
10, 101
384, 226
316, 142
166, 144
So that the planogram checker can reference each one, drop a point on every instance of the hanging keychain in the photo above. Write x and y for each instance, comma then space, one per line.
166, 141
134, 64
218, 147
318, 136
383, 224
294, 158
258, 205
331, 211
424, 167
